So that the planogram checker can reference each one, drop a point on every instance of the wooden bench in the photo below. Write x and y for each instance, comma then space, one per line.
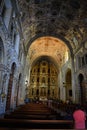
2, 128
31, 112
26, 112
30, 116
36, 124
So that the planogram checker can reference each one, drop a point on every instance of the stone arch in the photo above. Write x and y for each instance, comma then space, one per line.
51, 35
9, 93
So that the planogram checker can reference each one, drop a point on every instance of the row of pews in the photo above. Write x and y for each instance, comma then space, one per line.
34, 116
34, 111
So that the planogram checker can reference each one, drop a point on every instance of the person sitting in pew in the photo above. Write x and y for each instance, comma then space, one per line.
79, 117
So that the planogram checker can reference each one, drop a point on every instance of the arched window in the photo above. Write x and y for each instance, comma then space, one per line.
86, 58
1, 51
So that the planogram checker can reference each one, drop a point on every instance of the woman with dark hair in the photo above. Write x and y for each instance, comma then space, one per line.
79, 117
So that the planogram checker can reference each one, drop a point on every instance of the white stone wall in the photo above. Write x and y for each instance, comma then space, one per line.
81, 70
11, 55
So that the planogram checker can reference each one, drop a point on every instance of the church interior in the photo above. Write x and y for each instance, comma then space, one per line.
43, 59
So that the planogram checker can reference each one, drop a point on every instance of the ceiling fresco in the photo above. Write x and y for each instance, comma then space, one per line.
63, 19
48, 47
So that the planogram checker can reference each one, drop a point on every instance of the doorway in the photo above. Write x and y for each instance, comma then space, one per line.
8, 101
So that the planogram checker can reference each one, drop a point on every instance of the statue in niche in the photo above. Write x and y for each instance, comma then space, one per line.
43, 91
53, 80
43, 70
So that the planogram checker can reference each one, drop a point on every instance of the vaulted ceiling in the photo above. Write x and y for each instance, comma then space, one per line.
62, 19
48, 48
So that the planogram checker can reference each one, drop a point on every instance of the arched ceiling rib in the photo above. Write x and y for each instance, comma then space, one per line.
65, 18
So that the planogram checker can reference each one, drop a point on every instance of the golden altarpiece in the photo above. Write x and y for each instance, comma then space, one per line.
43, 81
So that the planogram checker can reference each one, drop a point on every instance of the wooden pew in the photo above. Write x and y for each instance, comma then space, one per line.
30, 116
36, 124
31, 111
34, 116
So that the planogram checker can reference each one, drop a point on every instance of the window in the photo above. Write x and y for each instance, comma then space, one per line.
14, 39
1, 51
36, 1
83, 62
86, 58
0, 3
11, 29
3, 11
79, 62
